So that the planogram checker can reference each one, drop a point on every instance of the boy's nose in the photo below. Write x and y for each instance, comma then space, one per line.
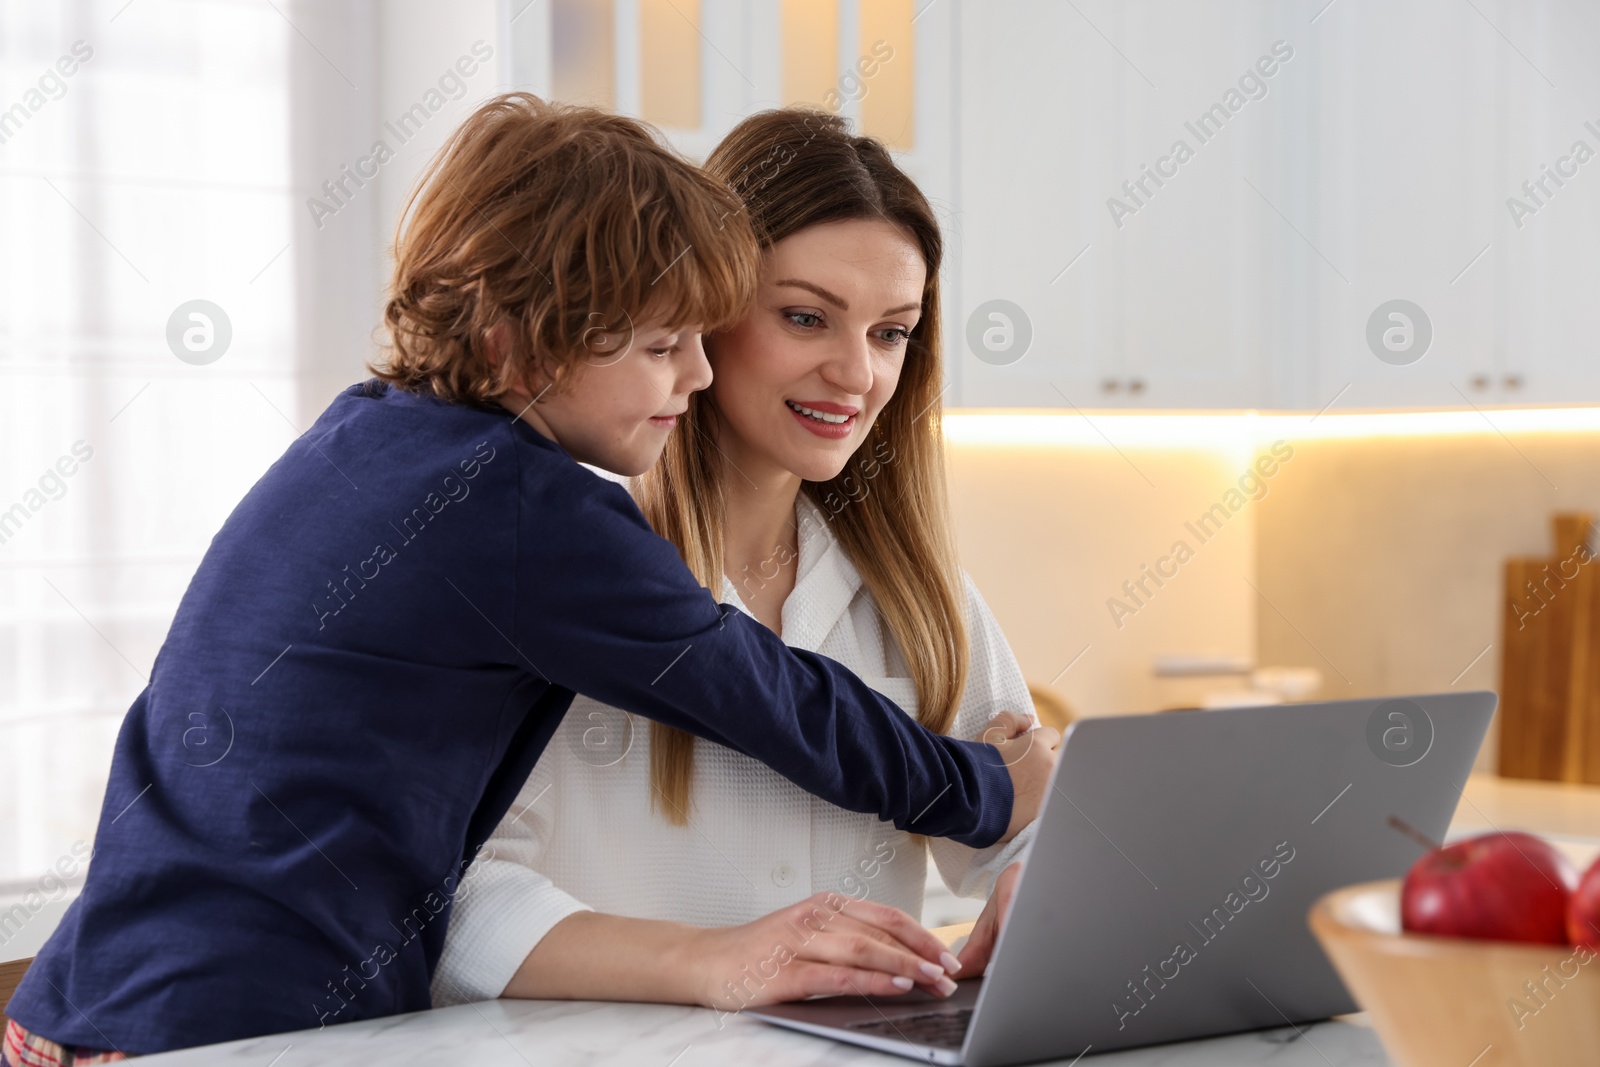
696, 369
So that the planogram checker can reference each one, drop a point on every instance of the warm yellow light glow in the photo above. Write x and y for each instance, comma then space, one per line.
884, 77
1092, 429
669, 63
1231, 429
809, 30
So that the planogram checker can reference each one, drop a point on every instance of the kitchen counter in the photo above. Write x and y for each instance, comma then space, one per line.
558, 1033
1567, 815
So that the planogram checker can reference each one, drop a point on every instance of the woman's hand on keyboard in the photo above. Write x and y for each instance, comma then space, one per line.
975, 953
829, 943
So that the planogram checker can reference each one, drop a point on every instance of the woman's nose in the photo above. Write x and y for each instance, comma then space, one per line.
850, 369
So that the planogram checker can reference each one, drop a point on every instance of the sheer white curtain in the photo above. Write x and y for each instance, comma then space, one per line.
152, 153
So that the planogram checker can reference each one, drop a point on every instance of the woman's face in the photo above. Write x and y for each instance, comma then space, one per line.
800, 380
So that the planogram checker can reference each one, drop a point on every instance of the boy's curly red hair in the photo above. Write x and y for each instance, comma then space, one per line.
565, 224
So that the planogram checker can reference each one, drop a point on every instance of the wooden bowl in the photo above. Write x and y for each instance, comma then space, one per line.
1454, 1002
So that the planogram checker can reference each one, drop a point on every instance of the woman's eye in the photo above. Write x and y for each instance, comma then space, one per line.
803, 319
659, 353
895, 335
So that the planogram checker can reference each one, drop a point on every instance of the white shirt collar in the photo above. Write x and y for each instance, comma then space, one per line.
825, 583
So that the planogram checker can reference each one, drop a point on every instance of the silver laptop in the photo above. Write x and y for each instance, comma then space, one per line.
1165, 894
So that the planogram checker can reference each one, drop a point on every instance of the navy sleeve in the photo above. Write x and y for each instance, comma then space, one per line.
607, 608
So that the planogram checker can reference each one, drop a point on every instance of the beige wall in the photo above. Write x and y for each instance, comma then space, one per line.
1383, 554
1388, 553
1049, 533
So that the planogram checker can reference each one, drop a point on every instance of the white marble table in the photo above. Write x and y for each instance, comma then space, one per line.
558, 1033
561, 1033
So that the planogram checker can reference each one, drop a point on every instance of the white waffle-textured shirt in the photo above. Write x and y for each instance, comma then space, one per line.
582, 834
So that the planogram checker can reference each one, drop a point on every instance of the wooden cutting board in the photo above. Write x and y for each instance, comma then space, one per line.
1550, 660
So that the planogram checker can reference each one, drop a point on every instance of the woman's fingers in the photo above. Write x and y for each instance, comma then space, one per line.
980, 943
865, 935
850, 946
824, 979
905, 930
869, 947
828, 943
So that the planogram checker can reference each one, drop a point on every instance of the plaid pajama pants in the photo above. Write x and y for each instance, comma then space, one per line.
22, 1049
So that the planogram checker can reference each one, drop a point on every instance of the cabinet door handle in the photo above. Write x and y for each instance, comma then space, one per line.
1512, 381
1135, 385
1110, 385
1479, 381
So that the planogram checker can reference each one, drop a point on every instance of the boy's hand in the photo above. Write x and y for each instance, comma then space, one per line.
1030, 755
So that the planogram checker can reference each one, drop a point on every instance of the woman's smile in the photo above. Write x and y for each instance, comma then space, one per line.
825, 419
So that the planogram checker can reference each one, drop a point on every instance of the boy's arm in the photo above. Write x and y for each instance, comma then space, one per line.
607, 608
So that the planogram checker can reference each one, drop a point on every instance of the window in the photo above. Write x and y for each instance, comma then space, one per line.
144, 164
694, 70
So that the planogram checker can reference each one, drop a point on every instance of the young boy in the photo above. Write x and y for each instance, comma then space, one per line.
391, 624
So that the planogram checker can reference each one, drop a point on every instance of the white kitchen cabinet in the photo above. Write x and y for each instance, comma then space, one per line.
1356, 154
1403, 180
1421, 148
1158, 303
1548, 351
1376, 167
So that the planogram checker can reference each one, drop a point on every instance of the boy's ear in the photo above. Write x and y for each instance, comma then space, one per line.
496, 343
497, 348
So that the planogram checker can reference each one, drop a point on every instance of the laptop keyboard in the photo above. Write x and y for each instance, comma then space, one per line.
941, 1029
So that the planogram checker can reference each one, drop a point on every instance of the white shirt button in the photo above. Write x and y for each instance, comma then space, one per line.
782, 875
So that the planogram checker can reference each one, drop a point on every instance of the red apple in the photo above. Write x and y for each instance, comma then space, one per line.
1583, 910
1499, 887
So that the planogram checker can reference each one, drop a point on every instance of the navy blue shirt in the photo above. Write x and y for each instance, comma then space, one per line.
370, 658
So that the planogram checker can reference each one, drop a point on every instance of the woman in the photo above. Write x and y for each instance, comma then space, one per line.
806, 485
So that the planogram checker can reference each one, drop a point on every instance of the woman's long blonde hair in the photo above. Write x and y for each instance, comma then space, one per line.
793, 168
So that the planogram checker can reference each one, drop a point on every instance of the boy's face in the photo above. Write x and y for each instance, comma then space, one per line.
623, 400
